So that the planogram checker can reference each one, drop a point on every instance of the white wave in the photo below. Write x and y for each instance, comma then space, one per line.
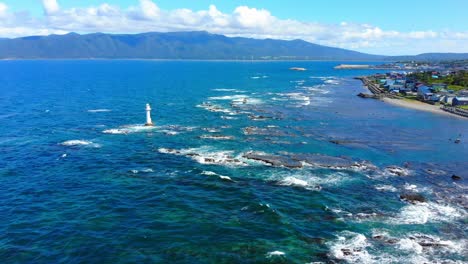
275, 253
99, 110
316, 89
352, 248
215, 108
237, 99
422, 213
291, 181
303, 99
418, 248
229, 117
211, 130
410, 245
80, 142
228, 90
334, 82
169, 132
410, 187
147, 170
387, 188
217, 137
323, 77
308, 180
130, 129
396, 171
222, 177
168, 151
208, 156
229, 97
209, 173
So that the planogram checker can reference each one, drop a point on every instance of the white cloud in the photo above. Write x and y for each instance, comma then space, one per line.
50, 6
3, 9
149, 9
253, 18
243, 21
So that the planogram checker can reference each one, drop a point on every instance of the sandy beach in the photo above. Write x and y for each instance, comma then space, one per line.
419, 106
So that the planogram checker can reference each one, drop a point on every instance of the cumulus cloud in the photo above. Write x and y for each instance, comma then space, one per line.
244, 21
50, 6
149, 9
3, 9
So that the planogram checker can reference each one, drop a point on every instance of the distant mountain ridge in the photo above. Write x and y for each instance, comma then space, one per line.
173, 45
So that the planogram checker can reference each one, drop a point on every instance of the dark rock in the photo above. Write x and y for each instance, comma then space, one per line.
456, 177
274, 160
209, 160
363, 95
413, 198
346, 251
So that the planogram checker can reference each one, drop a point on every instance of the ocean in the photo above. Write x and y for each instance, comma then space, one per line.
248, 162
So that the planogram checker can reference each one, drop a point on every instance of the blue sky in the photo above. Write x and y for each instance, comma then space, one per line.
384, 27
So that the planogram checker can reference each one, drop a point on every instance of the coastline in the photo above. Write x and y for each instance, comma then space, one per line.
418, 106
413, 104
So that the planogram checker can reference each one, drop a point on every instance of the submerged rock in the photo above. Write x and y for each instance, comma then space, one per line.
274, 160
395, 170
413, 198
456, 177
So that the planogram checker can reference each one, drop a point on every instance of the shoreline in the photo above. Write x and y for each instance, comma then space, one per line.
413, 104
419, 106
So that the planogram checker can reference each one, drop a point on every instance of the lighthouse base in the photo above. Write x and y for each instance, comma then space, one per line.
149, 124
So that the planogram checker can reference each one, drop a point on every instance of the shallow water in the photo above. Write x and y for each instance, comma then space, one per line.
302, 170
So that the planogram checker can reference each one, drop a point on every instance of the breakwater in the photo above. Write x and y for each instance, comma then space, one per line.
455, 110
373, 87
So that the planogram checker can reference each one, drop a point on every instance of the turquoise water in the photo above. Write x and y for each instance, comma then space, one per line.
300, 171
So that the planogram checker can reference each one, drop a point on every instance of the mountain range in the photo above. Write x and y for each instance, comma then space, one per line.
196, 45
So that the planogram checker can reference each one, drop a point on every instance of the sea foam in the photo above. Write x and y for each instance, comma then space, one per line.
80, 142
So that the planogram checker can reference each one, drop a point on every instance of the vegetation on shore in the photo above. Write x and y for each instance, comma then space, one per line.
456, 81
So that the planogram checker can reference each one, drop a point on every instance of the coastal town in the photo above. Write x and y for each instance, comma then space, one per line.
441, 88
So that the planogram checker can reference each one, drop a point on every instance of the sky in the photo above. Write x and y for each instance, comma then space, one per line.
395, 27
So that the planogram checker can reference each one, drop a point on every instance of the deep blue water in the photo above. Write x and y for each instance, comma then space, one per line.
82, 181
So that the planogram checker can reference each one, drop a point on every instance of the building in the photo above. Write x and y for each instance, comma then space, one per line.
436, 87
460, 101
424, 92
447, 99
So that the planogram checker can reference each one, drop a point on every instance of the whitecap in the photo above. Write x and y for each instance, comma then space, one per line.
129, 129
208, 156
99, 110
217, 137
308, 180
333, 82
79, 142
224, 90
229, 117
228, 97
387, 188
410, 245
421, 213
222, 177
215, 108
291, 181
275, 253
396, 171
351, 247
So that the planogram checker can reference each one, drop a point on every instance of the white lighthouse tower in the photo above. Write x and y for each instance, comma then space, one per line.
148, 116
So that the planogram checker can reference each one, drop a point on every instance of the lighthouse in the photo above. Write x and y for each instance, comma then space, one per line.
148, 116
